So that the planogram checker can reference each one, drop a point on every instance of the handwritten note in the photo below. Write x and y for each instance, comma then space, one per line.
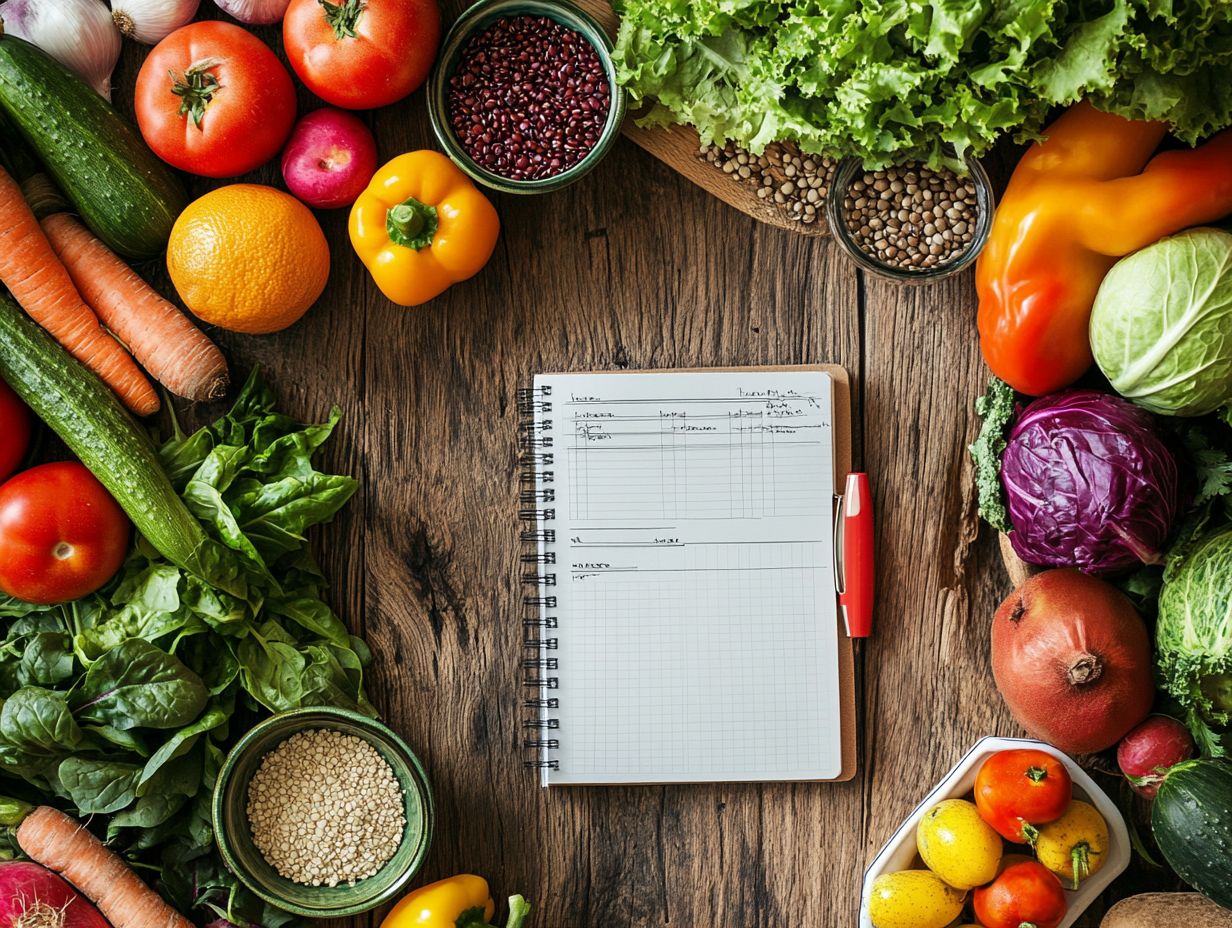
694, 599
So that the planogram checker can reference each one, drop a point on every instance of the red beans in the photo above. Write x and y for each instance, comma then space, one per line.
529, 98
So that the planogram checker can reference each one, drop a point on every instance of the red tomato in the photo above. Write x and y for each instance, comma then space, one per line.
212, 99
361, 54
1017, 790
16, 426
61, 534
1024, 894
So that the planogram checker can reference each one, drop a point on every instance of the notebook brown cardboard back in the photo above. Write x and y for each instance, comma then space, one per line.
841, 428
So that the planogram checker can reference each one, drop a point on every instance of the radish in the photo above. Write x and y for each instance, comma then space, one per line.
33, 897
330, 159
1147, 753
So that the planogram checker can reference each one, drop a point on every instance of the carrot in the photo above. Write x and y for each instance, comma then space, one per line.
60, 843
173, 350
32, 272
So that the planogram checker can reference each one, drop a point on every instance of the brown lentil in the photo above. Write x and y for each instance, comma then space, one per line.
910, 216
325, 808
782, 176
529, 98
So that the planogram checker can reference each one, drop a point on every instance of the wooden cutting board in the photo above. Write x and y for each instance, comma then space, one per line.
677, 147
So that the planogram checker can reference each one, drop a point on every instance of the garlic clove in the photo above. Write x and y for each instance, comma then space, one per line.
151, 21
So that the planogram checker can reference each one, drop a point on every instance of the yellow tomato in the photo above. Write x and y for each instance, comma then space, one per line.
958, 845
1075, 845
913, 899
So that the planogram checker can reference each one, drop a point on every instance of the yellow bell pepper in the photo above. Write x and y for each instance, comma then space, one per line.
422, 226
458, 902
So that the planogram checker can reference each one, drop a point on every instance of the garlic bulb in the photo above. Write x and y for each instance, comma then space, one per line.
77, 33
255, 12
151, 21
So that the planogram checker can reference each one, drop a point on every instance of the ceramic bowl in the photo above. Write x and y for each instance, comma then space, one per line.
899, 853
476, 19
852, 168
241, 855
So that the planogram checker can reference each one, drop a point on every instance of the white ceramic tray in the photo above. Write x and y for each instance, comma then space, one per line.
899, 853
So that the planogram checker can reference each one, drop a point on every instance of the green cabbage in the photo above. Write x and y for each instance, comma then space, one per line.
1161, 327
896, 80
1193, 634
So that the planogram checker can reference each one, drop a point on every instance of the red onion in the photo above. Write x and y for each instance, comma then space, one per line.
255, 12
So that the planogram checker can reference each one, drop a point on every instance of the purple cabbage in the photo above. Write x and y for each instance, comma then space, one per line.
1089, 484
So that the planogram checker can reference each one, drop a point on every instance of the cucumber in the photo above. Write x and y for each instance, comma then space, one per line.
1192, 821
121, 189
83, 411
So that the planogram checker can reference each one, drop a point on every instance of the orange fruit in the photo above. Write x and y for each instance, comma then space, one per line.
248, 258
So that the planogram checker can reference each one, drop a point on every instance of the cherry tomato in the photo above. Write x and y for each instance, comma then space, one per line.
212, 99
16, 426
361, 54
61, 534
1020, 789
1025, 894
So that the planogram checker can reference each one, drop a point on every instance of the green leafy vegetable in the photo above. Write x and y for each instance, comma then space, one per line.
889, 80
996, 409
122, 705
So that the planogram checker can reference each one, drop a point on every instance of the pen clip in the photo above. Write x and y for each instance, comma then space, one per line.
840, 568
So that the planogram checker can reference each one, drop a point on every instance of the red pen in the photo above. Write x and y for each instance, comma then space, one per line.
855, 598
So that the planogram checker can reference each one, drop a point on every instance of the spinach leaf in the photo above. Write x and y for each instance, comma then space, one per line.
138, 685
182, 742
272, 671
37, 722
47, 659
99, 786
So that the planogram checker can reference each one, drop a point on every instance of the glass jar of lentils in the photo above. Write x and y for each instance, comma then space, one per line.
909, 222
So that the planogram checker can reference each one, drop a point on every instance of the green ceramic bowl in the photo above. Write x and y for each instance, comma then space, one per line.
479, 17
235, 838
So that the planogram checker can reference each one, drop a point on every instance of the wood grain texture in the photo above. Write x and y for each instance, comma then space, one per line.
632, 267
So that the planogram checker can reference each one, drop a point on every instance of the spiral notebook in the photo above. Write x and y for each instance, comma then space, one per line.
682, 623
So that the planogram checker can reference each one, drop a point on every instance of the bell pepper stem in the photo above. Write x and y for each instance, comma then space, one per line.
519, 911
411, 224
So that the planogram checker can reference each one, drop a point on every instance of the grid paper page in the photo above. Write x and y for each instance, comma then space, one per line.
695, 596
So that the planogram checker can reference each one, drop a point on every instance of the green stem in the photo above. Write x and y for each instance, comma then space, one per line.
1081, 857
1030, 833
412, 224
13, 811
519, 911
196, 88
1036, 774
343, 16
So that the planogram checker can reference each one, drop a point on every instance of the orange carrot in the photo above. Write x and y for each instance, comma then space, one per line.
32, 272
60, 843
173, 350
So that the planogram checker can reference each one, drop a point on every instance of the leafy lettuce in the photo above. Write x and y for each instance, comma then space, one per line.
124, 703
895, 80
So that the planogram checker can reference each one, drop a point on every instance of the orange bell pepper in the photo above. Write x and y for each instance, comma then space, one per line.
422, 226
1089, 194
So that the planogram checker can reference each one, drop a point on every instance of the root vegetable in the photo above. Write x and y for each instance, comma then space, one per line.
33, 897
1146, 753
62, 844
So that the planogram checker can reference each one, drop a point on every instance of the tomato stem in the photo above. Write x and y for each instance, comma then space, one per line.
1037, 774
196, 88
1080, 854
1030, 833
343, 16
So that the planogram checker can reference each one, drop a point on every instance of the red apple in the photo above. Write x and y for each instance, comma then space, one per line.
330, 159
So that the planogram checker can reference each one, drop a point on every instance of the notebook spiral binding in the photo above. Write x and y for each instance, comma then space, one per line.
535, 498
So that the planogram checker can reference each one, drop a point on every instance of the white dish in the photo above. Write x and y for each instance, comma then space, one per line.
899, 853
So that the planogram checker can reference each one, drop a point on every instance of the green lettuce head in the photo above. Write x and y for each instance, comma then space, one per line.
1161, 327
1193, 635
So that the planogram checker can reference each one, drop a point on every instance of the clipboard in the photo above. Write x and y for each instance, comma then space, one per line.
841, 425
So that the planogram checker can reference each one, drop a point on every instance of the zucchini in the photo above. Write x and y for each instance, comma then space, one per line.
83, 411
121, 189
1192, 821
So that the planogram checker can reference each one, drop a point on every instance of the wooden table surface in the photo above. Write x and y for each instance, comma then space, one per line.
633, 267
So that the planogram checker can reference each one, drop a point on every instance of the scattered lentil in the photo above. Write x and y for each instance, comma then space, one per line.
529, 98
910, 216
325, 808
782, 176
